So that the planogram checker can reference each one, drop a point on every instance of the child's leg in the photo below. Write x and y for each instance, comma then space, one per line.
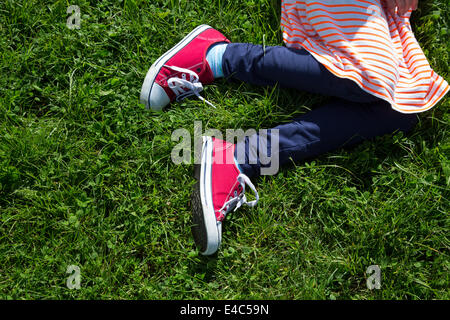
289, 68
221, 185
334, 125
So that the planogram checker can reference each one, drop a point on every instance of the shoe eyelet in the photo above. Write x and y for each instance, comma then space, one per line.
199, 69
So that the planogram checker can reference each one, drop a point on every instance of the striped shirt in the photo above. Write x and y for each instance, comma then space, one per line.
361, 41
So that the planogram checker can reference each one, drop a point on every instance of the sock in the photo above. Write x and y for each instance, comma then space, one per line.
237, 164
214, 58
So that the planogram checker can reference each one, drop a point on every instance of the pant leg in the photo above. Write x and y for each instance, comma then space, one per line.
326, 128
289, 68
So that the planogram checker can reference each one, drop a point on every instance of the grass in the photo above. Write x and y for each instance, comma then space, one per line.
86, 177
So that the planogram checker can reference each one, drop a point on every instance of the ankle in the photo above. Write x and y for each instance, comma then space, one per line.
214, 58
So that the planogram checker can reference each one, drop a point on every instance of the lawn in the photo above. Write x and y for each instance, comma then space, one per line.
86, 177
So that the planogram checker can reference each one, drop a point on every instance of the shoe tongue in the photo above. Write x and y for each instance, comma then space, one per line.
225, 173
224, 152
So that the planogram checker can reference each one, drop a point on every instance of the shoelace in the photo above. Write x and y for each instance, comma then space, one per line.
193, 85
241, 199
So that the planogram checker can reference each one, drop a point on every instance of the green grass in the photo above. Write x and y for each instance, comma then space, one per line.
86, 177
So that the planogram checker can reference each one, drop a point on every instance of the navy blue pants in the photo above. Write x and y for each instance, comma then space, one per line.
352, 116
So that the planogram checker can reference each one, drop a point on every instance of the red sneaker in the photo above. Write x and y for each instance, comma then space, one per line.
182, 70
220, 189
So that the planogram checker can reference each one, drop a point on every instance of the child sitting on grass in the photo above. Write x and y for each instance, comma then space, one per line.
363, 53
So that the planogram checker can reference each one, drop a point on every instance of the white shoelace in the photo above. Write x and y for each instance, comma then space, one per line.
179, 85
241, 199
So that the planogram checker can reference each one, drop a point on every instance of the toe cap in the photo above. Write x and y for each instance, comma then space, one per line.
157, 99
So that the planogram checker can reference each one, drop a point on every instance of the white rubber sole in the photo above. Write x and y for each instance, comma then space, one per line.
213, 227
158, 64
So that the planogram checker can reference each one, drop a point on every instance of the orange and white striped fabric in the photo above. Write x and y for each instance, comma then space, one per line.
361, 41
